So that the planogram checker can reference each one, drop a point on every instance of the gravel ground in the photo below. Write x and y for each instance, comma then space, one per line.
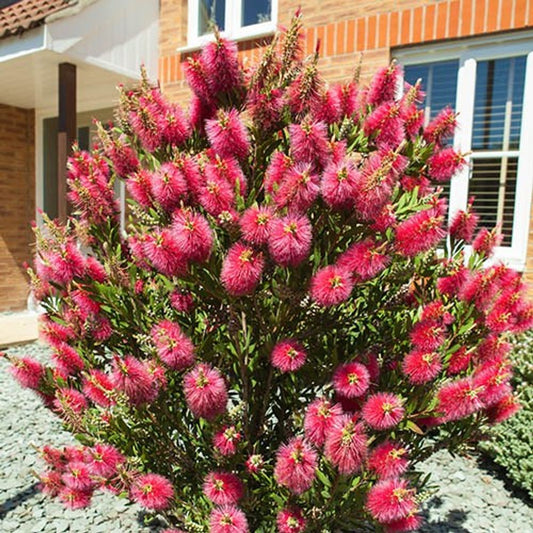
469, 499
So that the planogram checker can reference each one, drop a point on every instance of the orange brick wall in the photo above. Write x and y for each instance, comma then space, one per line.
17, 205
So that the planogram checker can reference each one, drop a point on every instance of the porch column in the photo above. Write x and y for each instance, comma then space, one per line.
66, 131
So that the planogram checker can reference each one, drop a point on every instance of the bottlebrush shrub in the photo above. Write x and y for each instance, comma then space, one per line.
273, 339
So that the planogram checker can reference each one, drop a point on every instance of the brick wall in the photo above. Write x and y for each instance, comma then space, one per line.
17, 205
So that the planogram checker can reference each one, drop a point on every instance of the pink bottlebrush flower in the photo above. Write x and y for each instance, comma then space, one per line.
242, 269
299, 188
196, 76
227, 169
291, 520
77, 476
390, 500
383, 410
493, 383
327, 108
228, 135
133, 378
176, 127
347, 96
161, 250
420, 233
221, 62
384, 85
492, 348
98, 387
63, 265
485, 241
413, 121
428, 335
384, 219
289, 239
385, 126
75, 499
288, 356
421, 366
410, 183
50, 483
205, 391
76, 454
276, 171
503, 409
320, 417
351, 380
216, 195
309, 142
168, 186
53, 456
226, 440
69, 401
412, 522
228, 519
104, 460
459, 361
254, 463
223, 488
435, 311
192, 234
173, 347
27, 371
265, 108
138, 186
388, 460
331, 285
339, 184
67, 359
441, 127
95, 270
458, 399
254, 224
443, 165
296, 464
152, 491
345, 445
182, 301
304, 90
55, 333
144, 121
365, 259
122, 155
452, 284
85, 305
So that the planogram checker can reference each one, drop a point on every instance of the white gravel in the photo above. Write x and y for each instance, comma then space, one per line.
469, 498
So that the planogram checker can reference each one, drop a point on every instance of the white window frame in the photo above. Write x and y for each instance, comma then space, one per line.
468, 53
233, 29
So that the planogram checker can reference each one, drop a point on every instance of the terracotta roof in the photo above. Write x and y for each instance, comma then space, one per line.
26, 14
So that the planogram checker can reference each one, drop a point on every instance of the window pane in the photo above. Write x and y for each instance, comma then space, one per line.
493, 183
498, 104
211, 12
256, 11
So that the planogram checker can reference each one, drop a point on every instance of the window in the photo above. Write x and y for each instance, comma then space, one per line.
491, 86
236, 19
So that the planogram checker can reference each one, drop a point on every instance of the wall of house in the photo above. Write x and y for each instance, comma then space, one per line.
17, 203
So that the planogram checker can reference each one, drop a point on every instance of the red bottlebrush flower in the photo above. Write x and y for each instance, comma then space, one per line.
385, 125
299, 188
176, 128
291, 520
98, 387
228, 135
160, 249
452, 284
413, 121
327, 108
221, 65
133, 378
296, 464
288, 356
411, 522
339, 184
420, 233
309, 142
503, 409
139, 188
75, 499
441, 127
205, 391
458, 399
384, 85
346, 446
421, 367
265, 108
331, 285
384, 219
27, 372
435, 311
485, 241
347, 96
493, 383
427, 335
242, 269
223, 488
173, 347
391, 500
50, 483
443, 165
351, 380
459, 361
216, 195
95, 270
152, 491
254, 224
182, 301
365, 259
67, 359
69, 401
228, 519
388, 460
320, 418
104, 460
275, 173
226, 440
196, 76
289, 239
254, 463
383, 410
77, 476
410, 183
493, 348
168, 186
